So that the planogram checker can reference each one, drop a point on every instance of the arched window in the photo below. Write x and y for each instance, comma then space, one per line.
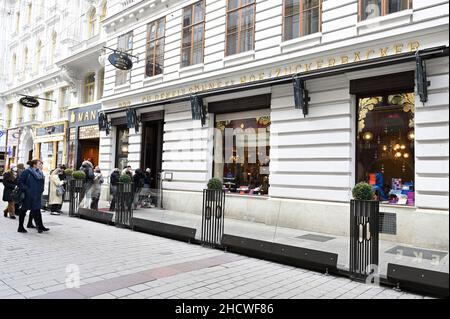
92, 21
104, 10
53, 50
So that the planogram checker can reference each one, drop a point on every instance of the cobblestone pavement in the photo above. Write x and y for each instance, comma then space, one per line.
119, 263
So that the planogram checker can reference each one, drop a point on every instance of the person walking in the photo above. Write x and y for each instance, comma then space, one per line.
9, 183
138, 184
88, 168
96, 188
114, 182
31, 182
55, 199
63, 177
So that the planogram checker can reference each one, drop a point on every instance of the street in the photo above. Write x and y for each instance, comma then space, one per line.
108, 263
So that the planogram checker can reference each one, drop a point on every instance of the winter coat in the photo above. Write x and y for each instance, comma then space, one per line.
97, 185
54, 199
33, 188
138, 180
88, 169
9, 183
114, 180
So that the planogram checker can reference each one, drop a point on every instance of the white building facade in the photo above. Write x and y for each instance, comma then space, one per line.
365, 119
43, 35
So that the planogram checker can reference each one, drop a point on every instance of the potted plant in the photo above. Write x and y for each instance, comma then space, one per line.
364, 230
125, 198
213, 212
79, 175
69, 172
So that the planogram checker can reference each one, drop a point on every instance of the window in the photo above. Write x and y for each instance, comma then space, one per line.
125, 44
48, 106
242, 149
47, 154
53, 48
122, 147
193, 34
25, 58
89, 88
17, 22
64, 101
369, 9
13, 67
155, 48
385, 148
9, 108
240, 26
38, 55
301, 17
92, 23
29, 12
104, 10
101, 83
33, 114
19, 113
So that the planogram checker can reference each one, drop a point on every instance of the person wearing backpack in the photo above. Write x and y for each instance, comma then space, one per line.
31, 182
9, 183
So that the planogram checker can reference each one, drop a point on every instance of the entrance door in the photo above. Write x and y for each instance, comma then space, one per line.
89, 149
152, 149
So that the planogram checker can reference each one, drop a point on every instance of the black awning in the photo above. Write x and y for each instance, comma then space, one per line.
331, 71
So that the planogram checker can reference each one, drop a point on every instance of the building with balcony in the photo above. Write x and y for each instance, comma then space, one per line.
213, 88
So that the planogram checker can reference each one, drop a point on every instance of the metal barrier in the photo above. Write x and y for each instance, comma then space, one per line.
124, 205
76, 190
364, 238
67, 195
213, 217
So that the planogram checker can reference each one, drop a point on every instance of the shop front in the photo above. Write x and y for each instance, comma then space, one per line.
50, 145
84, 136
12, 145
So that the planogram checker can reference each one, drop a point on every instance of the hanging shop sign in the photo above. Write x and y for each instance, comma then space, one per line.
29, 101
120, 61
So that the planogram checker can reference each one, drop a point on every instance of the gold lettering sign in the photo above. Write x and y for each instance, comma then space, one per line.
280, 71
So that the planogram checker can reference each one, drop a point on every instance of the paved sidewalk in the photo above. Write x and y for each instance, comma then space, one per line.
119, 263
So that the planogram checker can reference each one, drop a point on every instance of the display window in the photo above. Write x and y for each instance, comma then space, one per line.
386, 146
47, 154
122, 148
242, 149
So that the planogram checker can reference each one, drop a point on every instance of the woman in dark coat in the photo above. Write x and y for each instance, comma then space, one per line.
9, 183
31, 182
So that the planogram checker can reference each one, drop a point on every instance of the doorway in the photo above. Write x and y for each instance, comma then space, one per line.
152, 148
89, 149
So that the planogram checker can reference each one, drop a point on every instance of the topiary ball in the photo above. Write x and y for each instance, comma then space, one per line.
363, 191
215, 184
80, 175
69, 172
125, 178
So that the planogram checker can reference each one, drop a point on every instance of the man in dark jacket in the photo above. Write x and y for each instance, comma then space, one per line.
88, 168
31, 182
138, 184
9, 183
113, 182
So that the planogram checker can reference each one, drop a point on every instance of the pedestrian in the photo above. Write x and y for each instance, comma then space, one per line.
96, 188
55, 198
88, 168
138, 184
63, 177
31, 182
113, 182
127, 171
148, 178
9, 183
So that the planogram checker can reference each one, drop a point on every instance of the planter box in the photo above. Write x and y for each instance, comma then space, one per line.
213, 217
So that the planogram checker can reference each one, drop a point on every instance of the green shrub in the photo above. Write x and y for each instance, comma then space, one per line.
363, 191
215, 184
125, 178
69, 172
80, 175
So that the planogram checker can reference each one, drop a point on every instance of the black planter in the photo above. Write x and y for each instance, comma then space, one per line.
364, 238
213, 217
76, 193
124, 205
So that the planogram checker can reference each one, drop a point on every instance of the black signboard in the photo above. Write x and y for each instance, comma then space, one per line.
121, 61
29, 101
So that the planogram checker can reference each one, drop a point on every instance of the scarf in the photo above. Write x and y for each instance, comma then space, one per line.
36, 173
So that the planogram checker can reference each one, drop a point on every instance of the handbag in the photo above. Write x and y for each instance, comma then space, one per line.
60, 191
18, 196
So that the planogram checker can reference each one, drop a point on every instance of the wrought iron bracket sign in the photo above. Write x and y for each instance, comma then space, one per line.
121, 60
198, 109
29, 101
133, 119
422, 81
301, 95
103, 123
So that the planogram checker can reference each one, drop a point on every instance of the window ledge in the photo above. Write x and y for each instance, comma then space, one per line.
239, 58
153, 80
385, 22
191, 70
121, 88
302, 42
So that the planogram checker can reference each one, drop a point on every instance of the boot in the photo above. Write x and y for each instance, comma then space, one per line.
30, 221
39, 223
21, 221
